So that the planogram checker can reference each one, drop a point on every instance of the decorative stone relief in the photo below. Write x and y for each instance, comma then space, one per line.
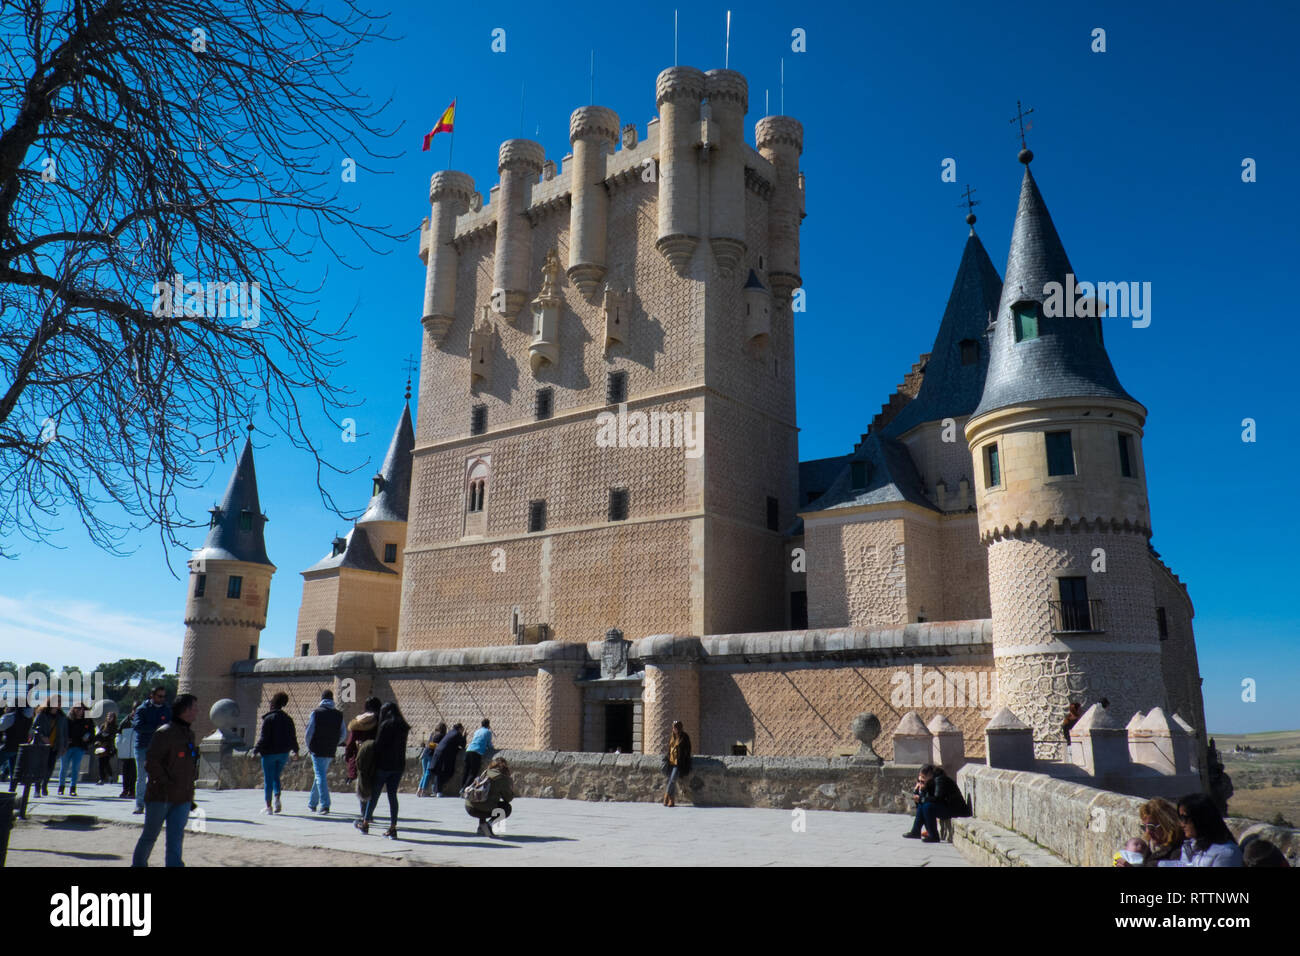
545, 348
480, 349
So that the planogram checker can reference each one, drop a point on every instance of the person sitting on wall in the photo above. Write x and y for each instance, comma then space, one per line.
1207, 841
940, 799
1071, 718
1161, 831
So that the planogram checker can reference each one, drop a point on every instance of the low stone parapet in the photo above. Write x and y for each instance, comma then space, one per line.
986, 844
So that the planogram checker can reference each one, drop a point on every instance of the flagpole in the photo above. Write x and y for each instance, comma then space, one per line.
522, 85
591, 99
451, 143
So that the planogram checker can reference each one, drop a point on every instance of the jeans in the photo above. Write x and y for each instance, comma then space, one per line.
427, 774
272, 764
320, 787
71, 758
472, 762
384, 779
672, 782
141, 776
156, 813
930, 813
8, 763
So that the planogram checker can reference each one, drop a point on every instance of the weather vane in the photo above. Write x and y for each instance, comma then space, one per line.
1025, 153
970, 205
410, 367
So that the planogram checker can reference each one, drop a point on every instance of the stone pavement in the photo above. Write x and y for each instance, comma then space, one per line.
551, 832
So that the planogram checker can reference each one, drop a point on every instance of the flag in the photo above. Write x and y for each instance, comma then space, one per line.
445, 123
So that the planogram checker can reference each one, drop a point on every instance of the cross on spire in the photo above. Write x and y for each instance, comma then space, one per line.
1026, 155
970, 205
410, 367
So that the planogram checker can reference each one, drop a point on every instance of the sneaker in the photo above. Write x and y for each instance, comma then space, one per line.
311, 809
73, 793
277, 804
138, 810
60, 789
266, 810
930, 839
324, 810
909, 835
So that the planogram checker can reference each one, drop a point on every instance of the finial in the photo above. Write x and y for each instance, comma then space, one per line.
1026, 155
251, 428
970, 205
410, 367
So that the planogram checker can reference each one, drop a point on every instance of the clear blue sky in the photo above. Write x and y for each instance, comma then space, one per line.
1139, 153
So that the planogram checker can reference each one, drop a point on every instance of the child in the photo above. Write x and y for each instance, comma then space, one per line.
1135, 853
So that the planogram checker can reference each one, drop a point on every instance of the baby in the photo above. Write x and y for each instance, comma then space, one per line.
1135, 853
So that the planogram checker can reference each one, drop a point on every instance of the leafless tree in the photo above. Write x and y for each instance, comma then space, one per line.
142, 140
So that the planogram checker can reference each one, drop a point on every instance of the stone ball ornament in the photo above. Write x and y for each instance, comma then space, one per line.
224, 714
866, 728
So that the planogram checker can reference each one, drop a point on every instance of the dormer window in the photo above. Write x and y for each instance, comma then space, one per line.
970, 352
215, 518
339, 545
1025, 315
246, 520
376, 485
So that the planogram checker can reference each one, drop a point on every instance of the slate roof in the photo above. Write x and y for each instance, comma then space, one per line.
393, 500
226, 540
891, 477
1066, 360
357, 554
950, 389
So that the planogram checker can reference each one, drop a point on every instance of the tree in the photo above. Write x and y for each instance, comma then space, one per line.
162, 165
130, 680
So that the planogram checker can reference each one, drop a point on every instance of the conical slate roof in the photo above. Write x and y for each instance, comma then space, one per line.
1067, 359
356, 554
951, 389
392, 501
236, 532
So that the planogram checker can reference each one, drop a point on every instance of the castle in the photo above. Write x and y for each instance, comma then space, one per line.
598, 522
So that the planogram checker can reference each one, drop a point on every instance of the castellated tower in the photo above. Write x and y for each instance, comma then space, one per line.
228, 591
1062, 502
645, 282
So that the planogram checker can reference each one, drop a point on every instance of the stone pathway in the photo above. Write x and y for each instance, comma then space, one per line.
550, 832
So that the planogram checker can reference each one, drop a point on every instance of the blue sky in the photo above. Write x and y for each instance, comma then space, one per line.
1139, 153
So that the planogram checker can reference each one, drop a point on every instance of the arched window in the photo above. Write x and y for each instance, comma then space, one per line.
476, 491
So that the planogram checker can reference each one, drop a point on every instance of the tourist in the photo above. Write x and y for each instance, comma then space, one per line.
16, 727
1071, 718
279, 738
361, 730
149, 716
171, 768
50, 727
390, 764
677, 762
1207, 841
940, 799
81, 736
444, 757
106, 747
324, 734
1161, 830
480, 746
490, 793
1135, 853
126, 756
426, 759
1259, 852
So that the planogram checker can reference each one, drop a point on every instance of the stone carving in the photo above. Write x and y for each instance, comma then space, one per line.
476, 202
866, 728
629, 136
545, 347
613, 655
548, 170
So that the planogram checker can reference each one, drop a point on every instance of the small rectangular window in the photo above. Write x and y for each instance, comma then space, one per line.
536, 516
1026, 320
545, 403
478, 420
618, 504
799, 610
992, 467
200, 585
773, 514
858, 475
390, 554
1162, 623
252, 652
246, 521
1060, 454
1075, 609
304, 649
1125, 455
234, 586
615, 388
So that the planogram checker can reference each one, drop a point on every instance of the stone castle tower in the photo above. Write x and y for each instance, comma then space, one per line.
228, 593
651, 282
1062, 501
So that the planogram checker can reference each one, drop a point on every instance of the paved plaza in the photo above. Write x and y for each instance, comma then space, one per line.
546, 832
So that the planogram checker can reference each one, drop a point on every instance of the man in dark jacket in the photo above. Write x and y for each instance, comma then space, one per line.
172, 762
324, 732
937, 798
444, 757
149, 716
16, 726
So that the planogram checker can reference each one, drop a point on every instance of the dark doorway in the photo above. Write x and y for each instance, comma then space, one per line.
798, 610
618, 727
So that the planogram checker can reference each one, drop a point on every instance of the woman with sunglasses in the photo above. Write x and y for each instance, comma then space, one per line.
1161, 830
1207, 841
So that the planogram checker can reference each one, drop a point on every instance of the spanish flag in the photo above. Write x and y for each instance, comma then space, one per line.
446, 123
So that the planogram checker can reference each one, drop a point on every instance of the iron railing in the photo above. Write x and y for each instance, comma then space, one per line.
1077, 615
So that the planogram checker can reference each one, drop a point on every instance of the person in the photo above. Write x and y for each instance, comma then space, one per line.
361, 730
16, 726
278, 738
126, 756
171, 766
1135, 853
1071, 718
390, 763
426, 759
106, 747
81, 735
1256, 851
480, 746
677, 761
149, 716
1207, 841
324, 734
940, 799
50, 726
444, 757
490, 793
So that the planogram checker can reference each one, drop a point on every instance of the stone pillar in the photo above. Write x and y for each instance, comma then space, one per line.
948, 749
1188, 742
449, 196
912, 741
671, 690
1008, 742
559, 699
593, 131
519, 163
780, 140
1134, 724
1159, 743
678, 92
1103, 743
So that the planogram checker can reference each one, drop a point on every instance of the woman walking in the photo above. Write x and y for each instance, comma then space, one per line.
279, 738
106, 747
81, 736
426, 759
361, 731
678, 761
50, 727
390, 762
126, 756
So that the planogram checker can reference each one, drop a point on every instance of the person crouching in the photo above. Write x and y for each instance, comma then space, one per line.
490, 792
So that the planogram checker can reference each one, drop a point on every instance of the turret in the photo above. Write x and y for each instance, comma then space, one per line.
678, 92
593, 131
728, 96
758, 311
449, 197
780, 141
384, 520
519, 163
228, 590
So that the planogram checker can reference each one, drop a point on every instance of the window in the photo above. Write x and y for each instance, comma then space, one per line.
390, 554
773, 514
1026, 316
234, 586
1126, 455
476, 486
615, 388
200, 585
618, 504
858, 475
376, 485
246, 521
304, 649
1060, 454
214, 517
1162, 623
252, 652
536, 516
798, 610
1075, 614
545, 403
992, 466
477, 489
970, 352
478, 420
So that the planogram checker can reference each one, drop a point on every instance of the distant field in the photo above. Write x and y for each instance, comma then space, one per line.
1265, 784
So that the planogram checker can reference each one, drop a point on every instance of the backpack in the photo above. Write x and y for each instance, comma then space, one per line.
479, 790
